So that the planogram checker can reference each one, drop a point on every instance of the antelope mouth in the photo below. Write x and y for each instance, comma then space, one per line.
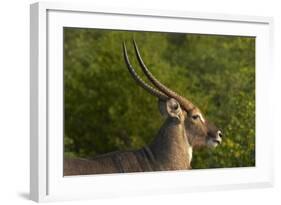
214, 142
217, 141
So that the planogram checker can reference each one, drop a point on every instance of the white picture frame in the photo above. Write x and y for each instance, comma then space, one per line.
46, 178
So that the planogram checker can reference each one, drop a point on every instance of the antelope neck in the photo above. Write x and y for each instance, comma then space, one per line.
171, 148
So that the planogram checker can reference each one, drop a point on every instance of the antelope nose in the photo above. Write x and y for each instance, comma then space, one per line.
219, 134
219, 137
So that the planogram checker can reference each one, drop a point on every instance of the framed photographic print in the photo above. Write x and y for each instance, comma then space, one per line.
128, 101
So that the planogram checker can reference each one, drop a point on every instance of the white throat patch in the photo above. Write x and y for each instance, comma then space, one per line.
189, 151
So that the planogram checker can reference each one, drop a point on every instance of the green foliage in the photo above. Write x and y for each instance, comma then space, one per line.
106, 111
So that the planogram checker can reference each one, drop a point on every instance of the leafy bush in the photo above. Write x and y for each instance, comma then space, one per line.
106, 111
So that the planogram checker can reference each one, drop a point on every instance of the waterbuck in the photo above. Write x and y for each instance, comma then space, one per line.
184, 128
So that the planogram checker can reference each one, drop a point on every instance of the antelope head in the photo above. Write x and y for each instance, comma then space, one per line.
198, 130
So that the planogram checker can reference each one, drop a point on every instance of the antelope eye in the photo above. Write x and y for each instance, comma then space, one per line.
195, 117
176, 106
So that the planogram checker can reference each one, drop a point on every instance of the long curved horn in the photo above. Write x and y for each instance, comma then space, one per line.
186, 104
144, 85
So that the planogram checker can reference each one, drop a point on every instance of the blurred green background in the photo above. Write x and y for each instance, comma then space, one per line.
104, 109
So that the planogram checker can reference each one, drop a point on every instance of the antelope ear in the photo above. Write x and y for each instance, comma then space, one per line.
170, 108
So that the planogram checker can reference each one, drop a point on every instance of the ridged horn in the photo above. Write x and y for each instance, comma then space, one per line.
139, 81
186, 104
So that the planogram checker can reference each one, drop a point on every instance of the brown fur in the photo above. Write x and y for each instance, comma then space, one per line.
168, 151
